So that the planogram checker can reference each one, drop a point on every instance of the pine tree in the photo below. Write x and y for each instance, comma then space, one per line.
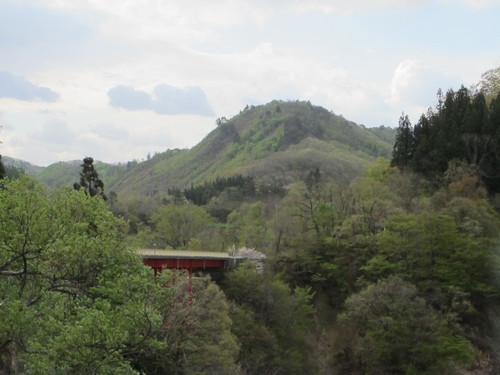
2, 169
89, 180
404, 146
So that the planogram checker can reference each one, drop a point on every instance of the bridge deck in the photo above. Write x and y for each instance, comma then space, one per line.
184, 259
182, 254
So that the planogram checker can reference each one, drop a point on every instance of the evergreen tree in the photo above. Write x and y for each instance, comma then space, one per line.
422, 158
89, 180
404, 146
2, 169
475, 131
463, 127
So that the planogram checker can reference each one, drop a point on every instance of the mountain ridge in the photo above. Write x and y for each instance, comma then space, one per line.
275, 141
278, 140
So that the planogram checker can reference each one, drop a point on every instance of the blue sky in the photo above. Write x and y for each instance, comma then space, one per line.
119, 79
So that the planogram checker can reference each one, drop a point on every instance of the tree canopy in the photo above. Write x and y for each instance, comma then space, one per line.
463, 127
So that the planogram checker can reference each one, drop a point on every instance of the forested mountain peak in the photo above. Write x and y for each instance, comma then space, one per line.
276, 141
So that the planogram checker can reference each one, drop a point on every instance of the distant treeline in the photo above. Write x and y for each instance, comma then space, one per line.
245, 186
201, 194
9, 171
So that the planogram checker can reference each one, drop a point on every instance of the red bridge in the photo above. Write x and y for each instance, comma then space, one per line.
185, 259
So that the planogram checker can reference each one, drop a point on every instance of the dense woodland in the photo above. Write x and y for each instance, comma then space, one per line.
394, 270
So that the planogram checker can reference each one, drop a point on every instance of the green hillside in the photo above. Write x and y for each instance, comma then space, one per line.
28, 168
68, 172
278, 141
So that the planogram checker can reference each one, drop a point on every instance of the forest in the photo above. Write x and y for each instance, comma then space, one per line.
393, 271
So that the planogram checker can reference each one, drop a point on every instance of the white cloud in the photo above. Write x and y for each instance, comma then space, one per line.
239, 51
483, 3
16, 87
110, 132
169, 20
330, 6
129, 98
167, 100
56, 132
414, 86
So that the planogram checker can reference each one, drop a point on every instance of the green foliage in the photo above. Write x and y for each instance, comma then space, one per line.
490, 83
380, 171
196, 328
246, 227
390, 330
74, 300
176, 225
201, 194
2, 169
21, 165
463, 127
404, 146
262, 143
64, 270
385, 133
430, 251
270, 321
10, 171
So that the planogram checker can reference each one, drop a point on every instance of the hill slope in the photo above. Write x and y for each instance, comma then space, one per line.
68, 172
278, 141
28, 168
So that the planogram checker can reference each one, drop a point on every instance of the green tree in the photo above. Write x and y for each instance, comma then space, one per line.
387, 329
2, 169
490, 83
434, 252
75, 300
176, 225
271, 322
197, 328
404, 146
247, 227
89, 180
65, 270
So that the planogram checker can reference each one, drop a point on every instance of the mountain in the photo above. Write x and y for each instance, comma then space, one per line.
276, 142
28, 168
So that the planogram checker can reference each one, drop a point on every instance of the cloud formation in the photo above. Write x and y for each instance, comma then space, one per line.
56, 132
127, 97
110, 132
167, 100
16, 87
417, 84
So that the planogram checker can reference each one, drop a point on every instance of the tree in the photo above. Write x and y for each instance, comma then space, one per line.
75, 300
388, 329
176, 225
404, 146
89, 180
197, 330
490, 83
65, 270
271, 322
2, 169
246, 227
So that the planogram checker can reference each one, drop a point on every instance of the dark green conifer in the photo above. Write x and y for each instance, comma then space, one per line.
89, 180
404, 146
2, 169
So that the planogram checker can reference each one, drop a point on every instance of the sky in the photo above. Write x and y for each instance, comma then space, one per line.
120, 79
